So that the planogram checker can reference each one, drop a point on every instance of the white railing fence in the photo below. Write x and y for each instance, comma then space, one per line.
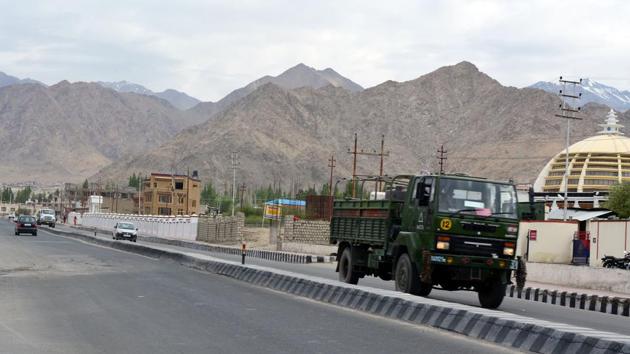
180, 227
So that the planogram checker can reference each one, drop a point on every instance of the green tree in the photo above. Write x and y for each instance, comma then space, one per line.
86, 184
619, 200
209, 195
23, 195
7, 195
134, 181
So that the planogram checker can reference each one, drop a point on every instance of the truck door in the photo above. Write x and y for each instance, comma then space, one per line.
416, 217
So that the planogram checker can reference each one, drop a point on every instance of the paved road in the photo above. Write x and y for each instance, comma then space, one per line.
59, 295
554, 313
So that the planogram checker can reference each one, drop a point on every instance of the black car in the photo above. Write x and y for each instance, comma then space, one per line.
26, 224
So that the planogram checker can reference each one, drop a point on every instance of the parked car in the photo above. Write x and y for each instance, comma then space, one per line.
11, 216
26, 224
125, 230
46, 217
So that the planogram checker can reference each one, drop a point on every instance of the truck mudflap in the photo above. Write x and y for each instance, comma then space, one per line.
425, 275
473, 261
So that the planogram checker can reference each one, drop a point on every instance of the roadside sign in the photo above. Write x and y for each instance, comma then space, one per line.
533, 234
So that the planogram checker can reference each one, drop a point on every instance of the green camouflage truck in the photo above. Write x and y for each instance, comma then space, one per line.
452, 231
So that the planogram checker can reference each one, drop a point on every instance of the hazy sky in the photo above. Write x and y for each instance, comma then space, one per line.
208, 48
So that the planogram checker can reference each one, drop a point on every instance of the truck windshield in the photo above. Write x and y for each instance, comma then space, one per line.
477, 198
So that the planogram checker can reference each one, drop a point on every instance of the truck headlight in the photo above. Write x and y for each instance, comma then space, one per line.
512, 229
442, 245
508, 251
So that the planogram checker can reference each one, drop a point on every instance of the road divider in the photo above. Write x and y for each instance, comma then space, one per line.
604, 304
498, 327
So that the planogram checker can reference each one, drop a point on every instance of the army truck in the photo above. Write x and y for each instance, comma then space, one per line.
452, 231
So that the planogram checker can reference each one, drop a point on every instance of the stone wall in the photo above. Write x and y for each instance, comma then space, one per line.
221, 229
315, 232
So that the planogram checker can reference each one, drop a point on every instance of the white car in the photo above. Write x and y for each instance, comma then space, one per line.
125, 230
11, 216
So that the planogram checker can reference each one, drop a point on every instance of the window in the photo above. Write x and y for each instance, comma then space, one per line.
148, 197
180, 211
154, 184
194, 185
165, 198
194, 203
180, 199
179, 185
164, 211
476, 197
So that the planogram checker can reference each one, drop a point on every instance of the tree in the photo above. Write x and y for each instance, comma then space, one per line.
134, 181
86, 184
619, 200
23, 195
209, 194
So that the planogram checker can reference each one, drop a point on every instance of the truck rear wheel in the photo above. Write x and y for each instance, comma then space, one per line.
491, 295
346, 274
407, 277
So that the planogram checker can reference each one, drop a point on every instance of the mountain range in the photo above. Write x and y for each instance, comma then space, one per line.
593, 91
178, 99
285, 128
6, 80
286, 135
298, 76
68, 131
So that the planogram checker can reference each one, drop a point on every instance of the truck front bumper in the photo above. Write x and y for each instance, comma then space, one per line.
460, 261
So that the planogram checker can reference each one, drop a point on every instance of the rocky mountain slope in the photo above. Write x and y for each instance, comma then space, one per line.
6, 80
288, 134
593, 91
176, 98
67, 132
298, 76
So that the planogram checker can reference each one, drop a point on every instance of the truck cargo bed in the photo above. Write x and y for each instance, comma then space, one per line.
363, 221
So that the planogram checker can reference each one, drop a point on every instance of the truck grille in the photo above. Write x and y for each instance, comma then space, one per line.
476, 246
478, 227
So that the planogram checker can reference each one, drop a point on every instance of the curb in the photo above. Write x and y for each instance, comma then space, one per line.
278, 256
604, 304
505, 329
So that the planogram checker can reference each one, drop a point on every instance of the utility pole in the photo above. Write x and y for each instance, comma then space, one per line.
331, 164
568, 112
356, 152
442, 157
234, 166
241, 189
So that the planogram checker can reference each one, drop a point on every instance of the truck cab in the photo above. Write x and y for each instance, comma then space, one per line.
449, 231
46, 217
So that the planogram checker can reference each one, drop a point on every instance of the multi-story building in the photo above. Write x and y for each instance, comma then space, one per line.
167, 194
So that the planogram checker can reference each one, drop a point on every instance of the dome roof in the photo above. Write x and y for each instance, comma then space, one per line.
601, 143
595, 163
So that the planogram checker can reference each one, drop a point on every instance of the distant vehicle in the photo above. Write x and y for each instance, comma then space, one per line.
26, 224
11, 216
46, 217
125, 230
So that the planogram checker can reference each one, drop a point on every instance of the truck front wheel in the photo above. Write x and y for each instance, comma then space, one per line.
491, 295
408, 279
346, 274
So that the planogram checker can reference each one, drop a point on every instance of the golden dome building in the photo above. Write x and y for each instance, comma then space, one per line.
595, 163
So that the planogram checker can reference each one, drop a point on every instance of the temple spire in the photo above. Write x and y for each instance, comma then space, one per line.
611, 126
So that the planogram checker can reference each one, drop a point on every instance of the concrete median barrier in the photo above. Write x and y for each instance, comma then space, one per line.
502, 328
